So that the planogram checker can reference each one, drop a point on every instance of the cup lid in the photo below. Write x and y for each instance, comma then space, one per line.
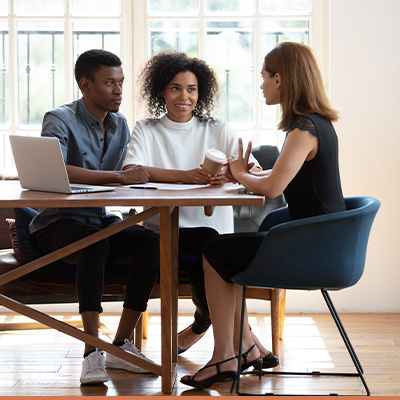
215, 155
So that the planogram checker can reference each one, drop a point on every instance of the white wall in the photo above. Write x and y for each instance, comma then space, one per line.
365, 87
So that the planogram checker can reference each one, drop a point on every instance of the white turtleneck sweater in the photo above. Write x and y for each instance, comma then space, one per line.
171, 145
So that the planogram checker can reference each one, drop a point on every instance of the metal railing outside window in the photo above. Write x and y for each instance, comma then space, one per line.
53, 66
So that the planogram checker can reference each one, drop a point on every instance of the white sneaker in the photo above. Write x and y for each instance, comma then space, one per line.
118, 363
93, 368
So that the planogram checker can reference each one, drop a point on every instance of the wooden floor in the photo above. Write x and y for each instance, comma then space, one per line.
47, 363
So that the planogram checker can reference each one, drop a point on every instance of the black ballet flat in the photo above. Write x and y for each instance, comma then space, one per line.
219, 377
247, 364
180, 349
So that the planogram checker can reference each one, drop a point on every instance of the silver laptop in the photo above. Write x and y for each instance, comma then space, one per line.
40, 166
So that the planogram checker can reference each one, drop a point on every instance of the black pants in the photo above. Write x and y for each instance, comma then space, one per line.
137, 246
191, 244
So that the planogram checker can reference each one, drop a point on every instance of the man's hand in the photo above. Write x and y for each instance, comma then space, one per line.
196, 176
134, 174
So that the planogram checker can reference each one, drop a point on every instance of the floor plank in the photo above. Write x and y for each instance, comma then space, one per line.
46, 363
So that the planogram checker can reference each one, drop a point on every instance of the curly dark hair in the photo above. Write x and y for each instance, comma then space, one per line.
160, 70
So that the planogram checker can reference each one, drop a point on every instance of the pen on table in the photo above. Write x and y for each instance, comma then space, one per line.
144, 187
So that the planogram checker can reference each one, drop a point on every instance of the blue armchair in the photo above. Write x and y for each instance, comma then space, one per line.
324, 253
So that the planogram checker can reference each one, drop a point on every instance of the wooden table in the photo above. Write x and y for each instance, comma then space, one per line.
163, 202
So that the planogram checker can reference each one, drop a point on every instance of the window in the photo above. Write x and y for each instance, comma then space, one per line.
40, 41
233, 37
39, 44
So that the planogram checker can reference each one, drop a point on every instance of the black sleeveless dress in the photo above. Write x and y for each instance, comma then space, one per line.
316, 188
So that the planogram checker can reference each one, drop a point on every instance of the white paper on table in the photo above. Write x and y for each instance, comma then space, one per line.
169, 186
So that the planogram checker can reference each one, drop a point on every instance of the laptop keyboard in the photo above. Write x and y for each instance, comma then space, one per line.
80, 189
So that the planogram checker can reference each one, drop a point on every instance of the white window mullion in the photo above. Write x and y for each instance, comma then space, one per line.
68, 54
13, 71
202, 30
140, 49
256, 73
127, 49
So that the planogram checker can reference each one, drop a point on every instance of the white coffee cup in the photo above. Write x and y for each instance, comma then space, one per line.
213, 161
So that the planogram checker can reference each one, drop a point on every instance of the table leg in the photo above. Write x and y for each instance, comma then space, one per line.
168, 293
174, 281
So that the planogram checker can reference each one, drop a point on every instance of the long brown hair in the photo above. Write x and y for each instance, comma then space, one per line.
302, 90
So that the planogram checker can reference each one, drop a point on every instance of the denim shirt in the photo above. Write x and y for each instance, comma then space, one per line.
83, 145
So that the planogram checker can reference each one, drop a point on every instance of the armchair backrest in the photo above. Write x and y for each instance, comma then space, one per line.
249, 218
326, 251
5, 239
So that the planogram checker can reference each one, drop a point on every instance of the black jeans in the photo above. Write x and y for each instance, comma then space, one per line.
136, 246
191, 244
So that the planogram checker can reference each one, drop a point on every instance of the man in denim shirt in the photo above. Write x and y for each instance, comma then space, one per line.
94, 137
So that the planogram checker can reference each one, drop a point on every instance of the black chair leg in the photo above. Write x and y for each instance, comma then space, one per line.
345, 338
346, 341
240, 345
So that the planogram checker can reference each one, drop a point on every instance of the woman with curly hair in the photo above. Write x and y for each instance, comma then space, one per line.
181, 93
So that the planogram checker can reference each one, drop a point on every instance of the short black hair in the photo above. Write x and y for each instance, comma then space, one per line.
89, 62
160, 70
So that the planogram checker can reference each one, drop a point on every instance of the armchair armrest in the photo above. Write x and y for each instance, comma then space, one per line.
303, 254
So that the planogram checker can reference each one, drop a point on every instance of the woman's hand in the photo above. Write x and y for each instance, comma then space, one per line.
228, 174
239, 165
219, 177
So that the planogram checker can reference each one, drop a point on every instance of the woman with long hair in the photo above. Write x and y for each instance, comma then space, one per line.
306, 171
